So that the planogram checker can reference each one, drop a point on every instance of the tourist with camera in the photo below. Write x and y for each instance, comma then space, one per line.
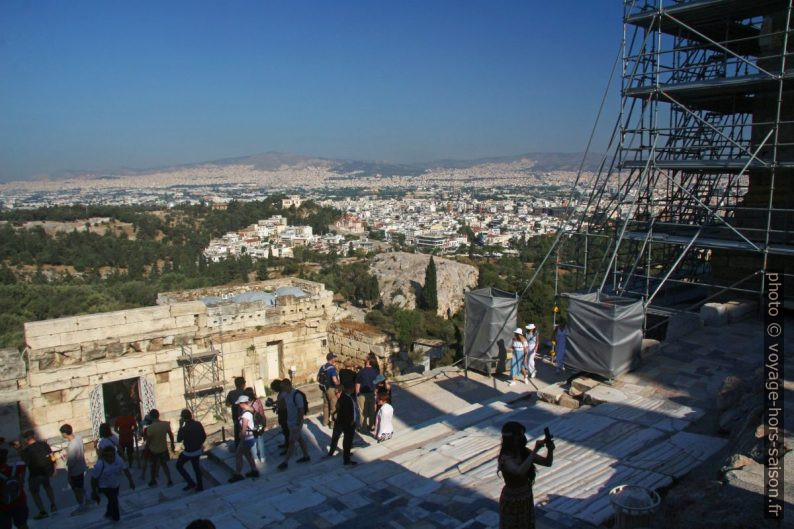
516, 463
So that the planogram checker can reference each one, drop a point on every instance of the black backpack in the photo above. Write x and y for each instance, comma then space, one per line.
322, 378
305, 401
11, 488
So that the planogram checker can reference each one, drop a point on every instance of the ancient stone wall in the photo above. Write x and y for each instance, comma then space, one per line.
71, 357
352, 341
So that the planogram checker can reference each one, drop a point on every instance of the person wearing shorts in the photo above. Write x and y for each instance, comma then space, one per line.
247, 440
156, 435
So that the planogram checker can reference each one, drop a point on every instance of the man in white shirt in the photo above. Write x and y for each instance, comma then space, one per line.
106, 478
383, 421
75, 464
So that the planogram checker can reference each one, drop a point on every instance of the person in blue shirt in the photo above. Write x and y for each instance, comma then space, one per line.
561, 336
328, 376
365, 394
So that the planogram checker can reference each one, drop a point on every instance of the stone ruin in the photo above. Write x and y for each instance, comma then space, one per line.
262, 331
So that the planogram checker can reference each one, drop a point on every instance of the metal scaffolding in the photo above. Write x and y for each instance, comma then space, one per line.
203, 379
695, 198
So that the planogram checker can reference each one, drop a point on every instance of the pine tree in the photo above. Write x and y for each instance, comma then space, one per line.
261, 269
430, 290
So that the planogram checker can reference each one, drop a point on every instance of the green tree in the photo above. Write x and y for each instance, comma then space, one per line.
261, 269
430, 290
350, 251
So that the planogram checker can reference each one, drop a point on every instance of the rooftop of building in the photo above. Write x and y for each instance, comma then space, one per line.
256, 291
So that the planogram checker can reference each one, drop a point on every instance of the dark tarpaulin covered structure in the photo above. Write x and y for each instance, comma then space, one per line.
604, 333
490, 320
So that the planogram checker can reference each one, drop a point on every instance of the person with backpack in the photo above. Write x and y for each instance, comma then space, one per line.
106, 478
281, 413
13, 503
247, 440
260, 422
75, 465
231, 398
328, 379
346, 419
297, 407
40, 461
191, 434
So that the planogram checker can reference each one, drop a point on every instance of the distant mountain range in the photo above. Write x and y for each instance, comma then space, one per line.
273, 160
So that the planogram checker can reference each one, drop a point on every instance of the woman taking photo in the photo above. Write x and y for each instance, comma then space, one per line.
517, 465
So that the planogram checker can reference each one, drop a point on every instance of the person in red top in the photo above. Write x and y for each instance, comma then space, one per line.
13, 504
125, 426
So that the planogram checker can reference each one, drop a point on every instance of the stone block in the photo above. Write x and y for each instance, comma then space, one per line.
45, 378
739, 310
57, 385
188, 308
53, 397
584, 384
567, 401
43, 341
164, 367
145, 314
601, 394
48, 327
551, 393
714, 314
59, 412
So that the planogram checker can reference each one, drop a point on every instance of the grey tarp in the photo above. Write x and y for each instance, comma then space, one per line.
604, 333
490, 321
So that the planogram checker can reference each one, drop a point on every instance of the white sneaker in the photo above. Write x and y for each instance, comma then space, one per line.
526, 380
510, 382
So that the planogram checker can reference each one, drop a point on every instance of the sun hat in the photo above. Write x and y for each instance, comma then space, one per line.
531, 326
241, 399
519, 331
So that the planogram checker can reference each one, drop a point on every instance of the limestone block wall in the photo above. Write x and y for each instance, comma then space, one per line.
353, 341
69, 341
69, 358
12, 369
56, 396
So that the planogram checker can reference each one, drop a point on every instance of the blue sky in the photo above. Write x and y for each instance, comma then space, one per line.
102, 85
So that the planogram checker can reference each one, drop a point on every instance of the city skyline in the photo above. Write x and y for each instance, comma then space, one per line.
94, 87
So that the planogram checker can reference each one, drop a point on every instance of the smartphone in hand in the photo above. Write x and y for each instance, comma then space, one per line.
549, 438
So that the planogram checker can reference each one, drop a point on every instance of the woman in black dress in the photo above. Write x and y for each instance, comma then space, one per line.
517, 466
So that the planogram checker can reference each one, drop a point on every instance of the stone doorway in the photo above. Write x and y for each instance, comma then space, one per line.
119, 397
271, 362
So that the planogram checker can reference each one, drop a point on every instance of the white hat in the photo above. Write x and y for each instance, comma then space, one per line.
531, 326
519, 331
241, 399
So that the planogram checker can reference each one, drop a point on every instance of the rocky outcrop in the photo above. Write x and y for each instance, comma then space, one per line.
401, 277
